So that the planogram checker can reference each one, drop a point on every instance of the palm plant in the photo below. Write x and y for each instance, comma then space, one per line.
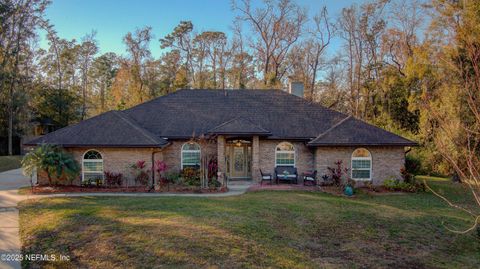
53, 160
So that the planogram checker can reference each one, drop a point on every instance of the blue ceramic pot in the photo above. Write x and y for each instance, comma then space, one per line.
348, 191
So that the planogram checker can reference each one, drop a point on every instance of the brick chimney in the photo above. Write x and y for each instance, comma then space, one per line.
296, 88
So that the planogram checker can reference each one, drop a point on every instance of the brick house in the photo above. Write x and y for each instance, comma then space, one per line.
246, 130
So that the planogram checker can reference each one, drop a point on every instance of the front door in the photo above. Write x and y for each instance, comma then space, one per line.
238, 160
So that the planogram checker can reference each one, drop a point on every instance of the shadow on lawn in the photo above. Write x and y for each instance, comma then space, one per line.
262, 229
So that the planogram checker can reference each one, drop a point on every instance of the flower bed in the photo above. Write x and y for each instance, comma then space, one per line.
133, 189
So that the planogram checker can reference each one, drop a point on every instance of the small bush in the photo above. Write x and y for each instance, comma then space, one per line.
214, 184
412, 165
407, 176
113, 179
369, 185
141, 173
339, 174
397, 185
174, 177
191, 176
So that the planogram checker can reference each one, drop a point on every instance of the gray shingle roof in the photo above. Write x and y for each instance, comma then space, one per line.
110, 129
238, 126
186, 113
354, 132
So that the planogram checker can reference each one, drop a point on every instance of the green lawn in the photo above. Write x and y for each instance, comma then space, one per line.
260, 229
10, 162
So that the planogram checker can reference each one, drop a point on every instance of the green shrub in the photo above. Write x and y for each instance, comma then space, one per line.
191, 176
173, 177
412, 164
397, 185
54, 160
214, 183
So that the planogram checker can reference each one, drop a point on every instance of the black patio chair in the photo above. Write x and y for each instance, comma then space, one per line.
265, 177
310, 178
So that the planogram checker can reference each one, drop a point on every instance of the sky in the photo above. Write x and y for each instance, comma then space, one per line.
112, 19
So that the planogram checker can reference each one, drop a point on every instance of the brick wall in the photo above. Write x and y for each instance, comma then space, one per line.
171, 155
386, 161
303, 156
116, 160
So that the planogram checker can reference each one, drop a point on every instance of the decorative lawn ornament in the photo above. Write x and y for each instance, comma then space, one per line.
348, 191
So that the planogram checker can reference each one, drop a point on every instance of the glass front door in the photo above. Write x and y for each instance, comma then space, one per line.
238, 159
238, 169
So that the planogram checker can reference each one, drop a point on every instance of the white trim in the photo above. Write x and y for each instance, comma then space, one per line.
286, 151
92, 161
352, 158
190, 151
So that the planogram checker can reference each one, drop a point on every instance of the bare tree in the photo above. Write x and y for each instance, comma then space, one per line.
87, 51
321, 35
277, 27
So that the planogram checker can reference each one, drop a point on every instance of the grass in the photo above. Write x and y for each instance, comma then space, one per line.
10, 162
260, 229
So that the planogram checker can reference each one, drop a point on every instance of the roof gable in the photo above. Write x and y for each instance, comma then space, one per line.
354, 132
110, 129
238, 126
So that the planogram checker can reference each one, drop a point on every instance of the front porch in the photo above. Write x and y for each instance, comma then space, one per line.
238, 157
249, 158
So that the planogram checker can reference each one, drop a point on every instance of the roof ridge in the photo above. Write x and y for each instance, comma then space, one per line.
238, 118
333, 127
130, 122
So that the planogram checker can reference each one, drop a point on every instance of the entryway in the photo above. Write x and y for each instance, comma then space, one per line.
238, 155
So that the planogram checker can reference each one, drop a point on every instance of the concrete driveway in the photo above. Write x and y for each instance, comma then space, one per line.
10, 181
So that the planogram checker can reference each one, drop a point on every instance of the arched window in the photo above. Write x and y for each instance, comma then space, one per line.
284, 154
92, 166
190, 155
361, 164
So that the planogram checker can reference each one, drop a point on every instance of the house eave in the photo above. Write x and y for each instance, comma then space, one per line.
413, 144
99, 145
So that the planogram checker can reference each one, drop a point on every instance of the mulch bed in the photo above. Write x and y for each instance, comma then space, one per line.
283, 187
380, 190
133, 189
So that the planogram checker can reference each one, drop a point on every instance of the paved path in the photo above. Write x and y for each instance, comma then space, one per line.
11, 180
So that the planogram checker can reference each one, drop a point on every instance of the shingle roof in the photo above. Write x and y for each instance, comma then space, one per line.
110, 129
193, 112
354, 132
186, 113
238, 126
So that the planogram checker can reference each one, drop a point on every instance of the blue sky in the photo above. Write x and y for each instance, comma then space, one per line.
112, 19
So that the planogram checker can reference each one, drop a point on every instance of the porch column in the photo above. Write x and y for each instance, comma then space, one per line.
255, 158
221, 154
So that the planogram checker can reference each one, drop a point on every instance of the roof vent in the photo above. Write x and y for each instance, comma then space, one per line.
296, 88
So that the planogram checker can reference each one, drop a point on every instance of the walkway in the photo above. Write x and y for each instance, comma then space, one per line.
11, 180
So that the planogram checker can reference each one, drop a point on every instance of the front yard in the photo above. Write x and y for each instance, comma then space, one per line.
296, 229
10, 162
